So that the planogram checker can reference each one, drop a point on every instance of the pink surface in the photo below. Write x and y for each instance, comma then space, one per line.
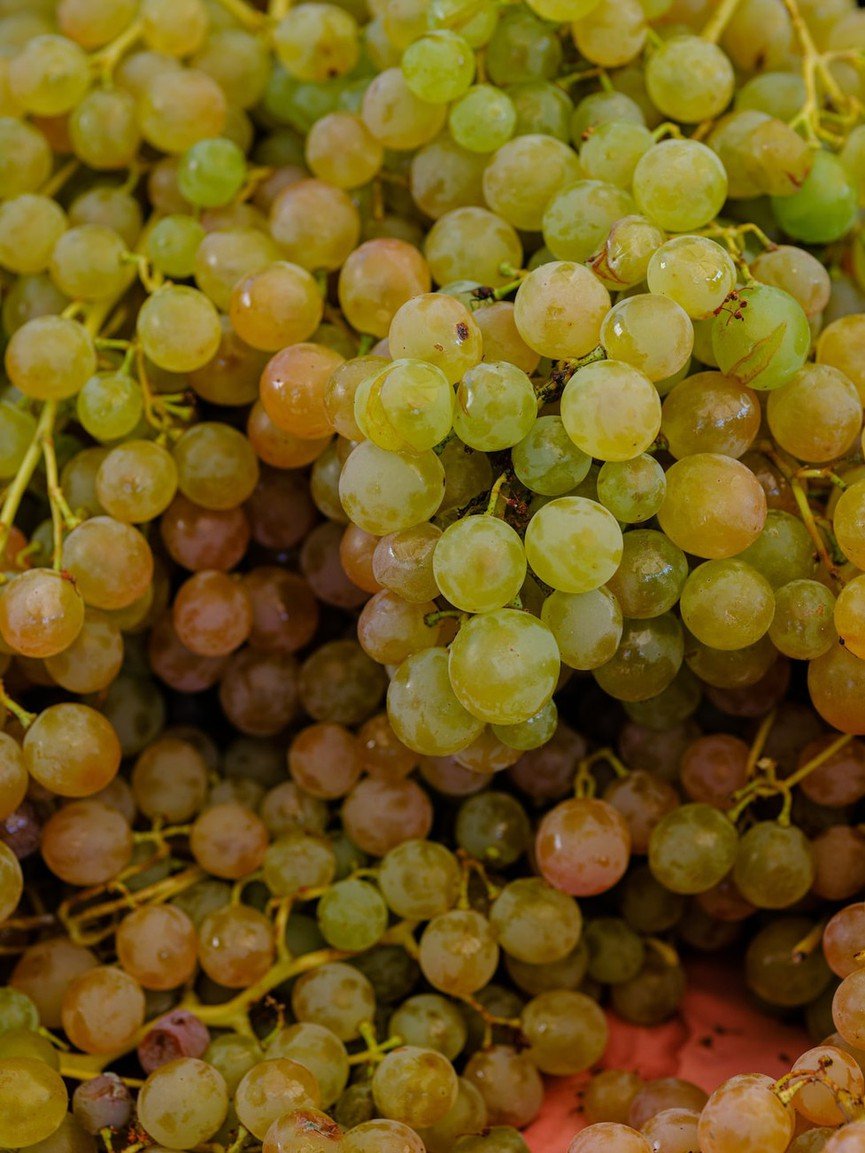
718, 1033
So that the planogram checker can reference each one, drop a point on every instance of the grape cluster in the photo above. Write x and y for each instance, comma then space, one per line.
432, 599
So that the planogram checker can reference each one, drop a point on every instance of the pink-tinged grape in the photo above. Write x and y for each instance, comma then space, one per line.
303, 1131
104, 1102
818, 1103
384, 492
229, 840
847, 1008
745, 1114
376, 279
573, 544
235, 945
458, 953
156, 945
177, 1034
612, 410
183, 1103
11, 882
102, 1009
314, 224
50, 357
559, 309
848, 1139
33, 1101
503, 666
836, 681
413, 1085
714, 506
41, 613
86, 843
378, 815
609, 1137
817, 415
72, 750
842, 938
583, 846
169, 780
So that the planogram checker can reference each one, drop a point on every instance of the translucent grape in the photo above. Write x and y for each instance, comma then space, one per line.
610, 410
573, 544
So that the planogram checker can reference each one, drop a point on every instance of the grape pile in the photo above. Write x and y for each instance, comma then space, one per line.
432, 600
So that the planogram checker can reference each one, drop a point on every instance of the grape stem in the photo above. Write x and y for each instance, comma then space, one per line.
244, 14
786, 1088
62, 516
63, 174
490, 1020
495, 493
808, 944
804, 508
16, 490
376, 1050
721, 17
817, 74
106, 59
155, 894
822, 474
767, 784
759, 743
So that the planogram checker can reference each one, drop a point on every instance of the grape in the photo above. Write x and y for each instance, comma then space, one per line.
495, 406
774, 865
823, 208
609, 1094
482, 119
33, 1101
335, 996
102, 1009
271, 1088
693, 271
689, 80
109, 405
235, 945
535, 923
615, 952
744, 1108
72, 750
633, 490
332, 216
216, 466
41, 613
763, 343
665, 1093
382, 1136
177, 1034
680, 184
647, 660
395, 116
156, 945
707, 412
179, 328
692, 848
352, 915
317, 1049
342, 151
413, 1085
650, 577
458, 954
583, 846
430, 1022
573, 328
609, 1134
727, 524
727, 604
103, 1102
228, 840
182, 1103
376, 279
50, 358
169, 780
12, 880
383, 492
608, 431
304, 1130
419, 879
553, 544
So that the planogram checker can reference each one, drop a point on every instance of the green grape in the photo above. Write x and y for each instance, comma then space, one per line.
541, 107
695, 272
211, 172
407, 406
317, 42
419, 879
566, 1031
587, 626
612, 33
633, 490
708, 412
33, 1101
651, 997
779, 973
496, 406
652, 333
816, 415
562, 9
498, 1139
50, 358
17, 1011
803, 626
468, 1114
646, 905
317, 1049
783, 551
689, 79
87, 262
493, 827
458, 954
650, 576
25, 157
49, 75
779, 94
475, 20
534, 922
730, 669
430, 1021
530, 734
613, 149
522, 48
470, 241
616, 952
727, 604
568, 973
172, 244
384, 492
774, 865
578, 219
647, 660
396, 117
30, 226
439, 67
414, 1085
297, 861
17, 430
602, 108
503, 666
103, 129
826, 205
625, 256
692, 848
482, 119
611, 410
547, 461
680, 185
233, 1055
797, 272
179, 328
573, 544
559, 309
30, 1044
352, 915
109, 406
479, 564
762, 338
524, 174
424, 711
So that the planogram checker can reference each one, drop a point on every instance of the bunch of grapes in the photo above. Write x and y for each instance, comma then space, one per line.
432, 599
